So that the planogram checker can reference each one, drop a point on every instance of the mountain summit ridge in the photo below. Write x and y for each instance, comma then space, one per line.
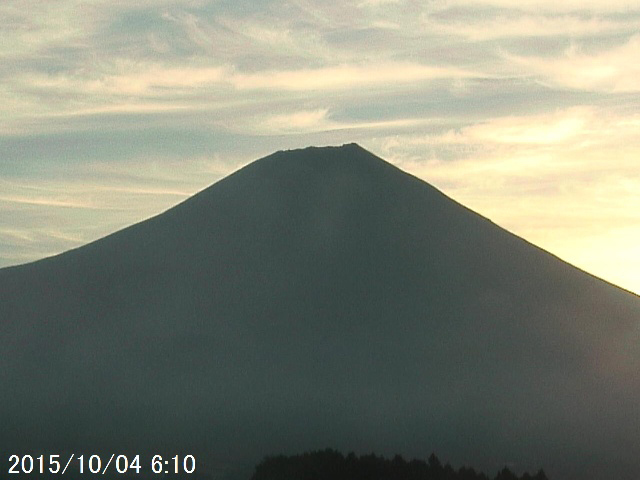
322, 297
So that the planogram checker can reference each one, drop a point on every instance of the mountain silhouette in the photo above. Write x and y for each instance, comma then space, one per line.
321, 297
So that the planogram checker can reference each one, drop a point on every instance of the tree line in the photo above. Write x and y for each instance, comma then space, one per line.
332, 465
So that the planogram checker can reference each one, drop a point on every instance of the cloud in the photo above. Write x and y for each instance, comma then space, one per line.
51, 202
279, 41
347, 77
102, 186
151, 88
130, 78
553, 6
295, 122
29, 26
569, 128
539, 129
317, 120
580, 141
524, 25
377, 3
17, 235
159, 81
610, 71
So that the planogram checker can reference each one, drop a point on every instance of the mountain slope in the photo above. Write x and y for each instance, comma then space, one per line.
322, 297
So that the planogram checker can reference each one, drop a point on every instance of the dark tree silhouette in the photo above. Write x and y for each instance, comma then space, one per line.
506, 474
332, 465
540, 475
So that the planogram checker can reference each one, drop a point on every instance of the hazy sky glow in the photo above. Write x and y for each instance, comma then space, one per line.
526, 111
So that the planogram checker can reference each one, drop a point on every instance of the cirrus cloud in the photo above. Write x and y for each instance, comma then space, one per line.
614, 70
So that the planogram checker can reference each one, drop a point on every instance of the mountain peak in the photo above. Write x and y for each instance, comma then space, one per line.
311, 173
347, 155
344, 148
322, 295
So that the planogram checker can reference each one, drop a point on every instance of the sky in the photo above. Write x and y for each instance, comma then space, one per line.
526, 111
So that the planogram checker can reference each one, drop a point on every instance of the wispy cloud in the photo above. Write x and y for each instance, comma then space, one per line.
296, 122
30, 26
318, 120
159, 81
152, 88
614, 70
376, 3
543, 129
348, 76
554, 6
522, 25
52, 202
130, 78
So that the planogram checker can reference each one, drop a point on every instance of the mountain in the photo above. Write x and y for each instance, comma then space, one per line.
321, 297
